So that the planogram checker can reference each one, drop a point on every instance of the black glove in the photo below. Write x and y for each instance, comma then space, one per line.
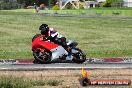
48, 38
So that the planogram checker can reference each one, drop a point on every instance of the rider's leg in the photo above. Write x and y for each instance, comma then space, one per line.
62, 41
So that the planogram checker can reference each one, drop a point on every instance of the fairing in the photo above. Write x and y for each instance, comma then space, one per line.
58, 52
38, 43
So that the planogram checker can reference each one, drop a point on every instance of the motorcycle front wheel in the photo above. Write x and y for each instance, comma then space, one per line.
42, 57
79, 57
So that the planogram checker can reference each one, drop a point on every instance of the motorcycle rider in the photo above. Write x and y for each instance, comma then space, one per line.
52, 35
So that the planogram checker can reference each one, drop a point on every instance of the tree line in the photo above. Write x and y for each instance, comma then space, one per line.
14, 4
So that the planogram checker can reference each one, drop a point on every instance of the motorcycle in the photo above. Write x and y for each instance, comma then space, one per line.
45, 51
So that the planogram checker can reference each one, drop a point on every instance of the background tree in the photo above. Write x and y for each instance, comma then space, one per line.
117, 3
113, 3
107, 3
27, 2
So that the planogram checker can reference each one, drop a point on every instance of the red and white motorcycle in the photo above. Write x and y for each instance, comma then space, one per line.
46, 51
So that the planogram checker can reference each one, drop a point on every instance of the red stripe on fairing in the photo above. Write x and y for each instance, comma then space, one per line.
46, 44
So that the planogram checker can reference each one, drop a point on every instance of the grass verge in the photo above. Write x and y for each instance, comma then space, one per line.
97, 37
11, 82
16, 82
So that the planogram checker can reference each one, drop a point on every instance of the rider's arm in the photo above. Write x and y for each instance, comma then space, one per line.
54, 33
48, 38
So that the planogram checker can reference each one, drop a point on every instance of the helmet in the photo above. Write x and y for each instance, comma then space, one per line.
44, 29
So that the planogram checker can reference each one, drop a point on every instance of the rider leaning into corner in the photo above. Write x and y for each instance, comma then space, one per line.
52, 35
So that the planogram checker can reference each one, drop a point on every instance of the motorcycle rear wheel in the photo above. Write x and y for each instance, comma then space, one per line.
79, 57
42, 57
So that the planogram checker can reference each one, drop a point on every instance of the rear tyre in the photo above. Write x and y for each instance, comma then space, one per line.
79, 57
42, 57
35, 62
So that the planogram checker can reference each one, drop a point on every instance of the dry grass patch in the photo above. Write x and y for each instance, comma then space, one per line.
69, 78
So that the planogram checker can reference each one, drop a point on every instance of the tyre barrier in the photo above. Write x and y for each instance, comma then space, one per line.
8, 61
108, 60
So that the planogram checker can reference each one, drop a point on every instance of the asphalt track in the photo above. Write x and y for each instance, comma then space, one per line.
70, 66
89, 64
61, 66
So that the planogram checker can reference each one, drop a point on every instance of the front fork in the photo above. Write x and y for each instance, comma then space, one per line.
70, 56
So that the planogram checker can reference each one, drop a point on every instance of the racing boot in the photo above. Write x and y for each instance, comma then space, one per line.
69, 56
68, 49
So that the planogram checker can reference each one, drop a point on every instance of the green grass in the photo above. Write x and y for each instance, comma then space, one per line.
17, 82
89, 12
98, 37
51, 82
13, 82
94, 11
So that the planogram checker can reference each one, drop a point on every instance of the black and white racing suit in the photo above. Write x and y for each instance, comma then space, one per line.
55, 37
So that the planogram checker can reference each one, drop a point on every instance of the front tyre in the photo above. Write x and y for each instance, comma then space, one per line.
42, 57
79, 56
